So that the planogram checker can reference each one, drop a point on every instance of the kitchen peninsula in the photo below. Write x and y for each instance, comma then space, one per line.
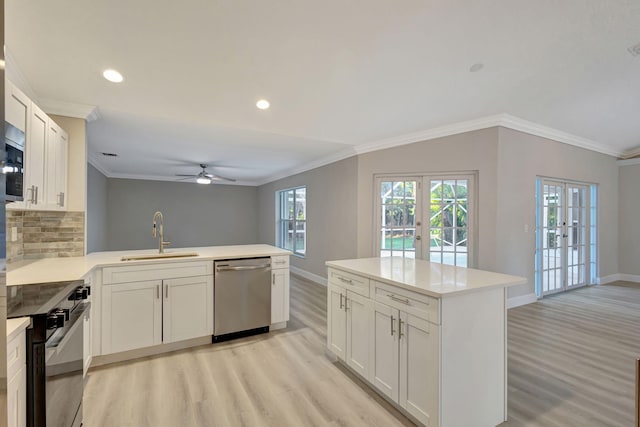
145, 303
430, 338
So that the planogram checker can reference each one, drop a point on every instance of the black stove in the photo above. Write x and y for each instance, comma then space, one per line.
54, 349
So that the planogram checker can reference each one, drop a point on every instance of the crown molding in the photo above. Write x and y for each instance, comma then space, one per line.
95, 162
628, 162
332, 158
502, 120
70, 109
629, 154
430, 134
525, 126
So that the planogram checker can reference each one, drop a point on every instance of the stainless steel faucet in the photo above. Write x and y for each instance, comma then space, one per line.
159, 231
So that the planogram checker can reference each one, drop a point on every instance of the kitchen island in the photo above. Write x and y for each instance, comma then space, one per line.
157, 303
428, 337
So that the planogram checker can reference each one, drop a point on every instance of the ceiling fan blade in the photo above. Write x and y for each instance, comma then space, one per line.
190, 176
221, 178
187, 177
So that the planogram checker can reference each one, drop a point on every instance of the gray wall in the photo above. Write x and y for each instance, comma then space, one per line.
471, 151
194, 215
331, 213
96, 210
629, 225
522, 157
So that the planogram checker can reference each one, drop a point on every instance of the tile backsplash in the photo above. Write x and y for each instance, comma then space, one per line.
44, 234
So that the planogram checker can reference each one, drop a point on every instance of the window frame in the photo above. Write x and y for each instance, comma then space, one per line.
281, 231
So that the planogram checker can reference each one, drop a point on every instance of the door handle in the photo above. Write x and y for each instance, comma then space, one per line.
418, 237
392, 319
341, 306
400, 322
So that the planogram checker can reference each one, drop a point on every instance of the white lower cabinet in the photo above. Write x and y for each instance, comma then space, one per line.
279, 295
187, 308
405, 361
147, 313
350, 328
17, 384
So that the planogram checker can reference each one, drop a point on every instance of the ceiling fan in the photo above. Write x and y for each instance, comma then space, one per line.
205, 177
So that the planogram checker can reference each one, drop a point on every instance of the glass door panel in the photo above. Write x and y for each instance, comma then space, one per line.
576, 235
552, 241
398, 218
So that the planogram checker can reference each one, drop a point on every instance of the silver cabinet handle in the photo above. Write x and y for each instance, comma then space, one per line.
61, 199
400, 322
346, 301
280, 262
35, 198
158, 291
273, 278
341, 306
392, 319
398, 299
166, 291
342, 279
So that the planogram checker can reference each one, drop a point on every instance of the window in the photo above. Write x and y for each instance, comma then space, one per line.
291, 227
426, 217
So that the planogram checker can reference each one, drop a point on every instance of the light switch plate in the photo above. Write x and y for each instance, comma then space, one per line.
14, 234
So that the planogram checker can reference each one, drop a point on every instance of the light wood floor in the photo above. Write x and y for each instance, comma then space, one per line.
571, 363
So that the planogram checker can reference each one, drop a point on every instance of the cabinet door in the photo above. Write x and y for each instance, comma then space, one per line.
17, 399
56, 166
359, 311
35, 158
17, 106
384, 366
131, 316
86, 342
419, 378
61, 169
279, 295
188, 308
336, 321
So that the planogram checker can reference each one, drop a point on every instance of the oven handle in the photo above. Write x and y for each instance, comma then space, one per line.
69, 329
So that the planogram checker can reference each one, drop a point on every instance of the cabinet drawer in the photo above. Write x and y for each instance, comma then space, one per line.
422, 306
156, 271
353, 282
280, 261
16, 354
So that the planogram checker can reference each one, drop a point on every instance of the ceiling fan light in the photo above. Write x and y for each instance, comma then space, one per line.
203, 180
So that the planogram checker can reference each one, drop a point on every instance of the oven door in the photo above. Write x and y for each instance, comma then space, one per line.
63, 368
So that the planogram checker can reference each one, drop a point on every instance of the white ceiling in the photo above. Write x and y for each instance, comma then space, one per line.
338, 74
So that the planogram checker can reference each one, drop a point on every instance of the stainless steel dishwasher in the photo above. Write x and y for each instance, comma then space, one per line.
242, 297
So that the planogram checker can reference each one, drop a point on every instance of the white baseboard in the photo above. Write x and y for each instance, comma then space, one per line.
620, 276
521, 300
309, 276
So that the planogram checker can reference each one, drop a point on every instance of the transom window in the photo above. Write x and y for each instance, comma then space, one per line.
291, 227
427, 217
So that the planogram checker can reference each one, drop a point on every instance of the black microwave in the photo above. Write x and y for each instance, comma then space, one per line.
13, 165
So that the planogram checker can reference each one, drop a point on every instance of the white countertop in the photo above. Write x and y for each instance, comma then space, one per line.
74, 268
433, 279
15, 326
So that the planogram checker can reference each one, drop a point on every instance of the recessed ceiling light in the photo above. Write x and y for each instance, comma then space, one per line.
263, 104
112, 76
476, 67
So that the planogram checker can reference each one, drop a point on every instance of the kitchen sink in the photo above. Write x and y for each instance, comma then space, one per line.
159, 256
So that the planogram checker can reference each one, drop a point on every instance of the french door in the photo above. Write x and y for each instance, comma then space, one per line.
564, 234
427, 217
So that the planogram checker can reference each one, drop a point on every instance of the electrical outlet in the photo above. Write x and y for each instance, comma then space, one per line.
14, 234
526, 228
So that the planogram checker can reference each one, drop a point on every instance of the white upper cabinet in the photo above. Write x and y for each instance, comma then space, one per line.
56, 167
17, 106
35, 146
45, 153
